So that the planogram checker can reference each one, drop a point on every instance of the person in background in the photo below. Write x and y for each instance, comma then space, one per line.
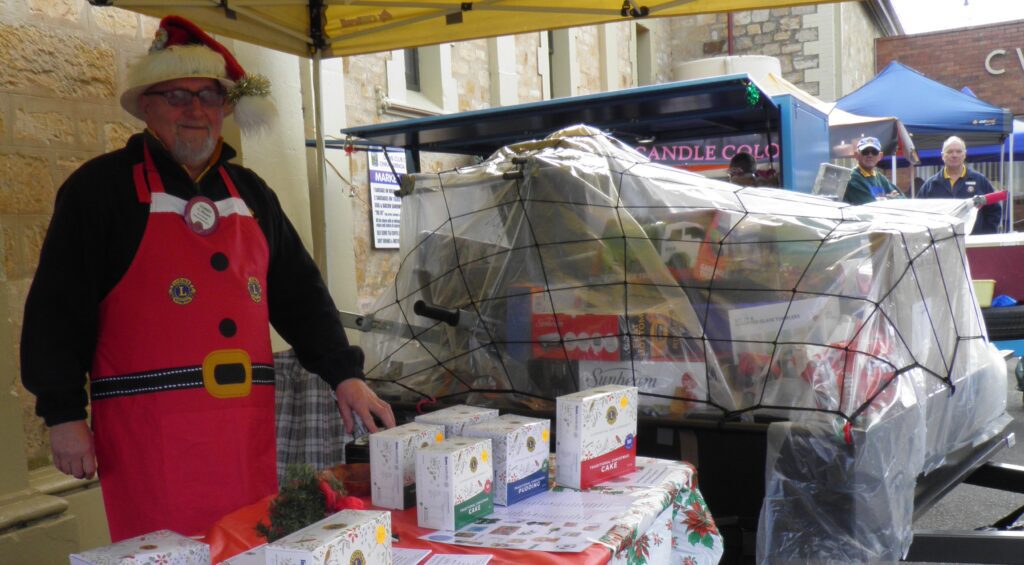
867, 183
161, 270
956, 180
742, 169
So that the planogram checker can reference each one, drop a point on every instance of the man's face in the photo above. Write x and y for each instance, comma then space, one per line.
868, 158
953, 156
191, 130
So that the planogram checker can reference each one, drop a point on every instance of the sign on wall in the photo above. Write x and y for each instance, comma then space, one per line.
386, 208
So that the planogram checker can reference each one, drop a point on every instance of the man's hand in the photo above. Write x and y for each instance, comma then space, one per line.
73, 450
354, 395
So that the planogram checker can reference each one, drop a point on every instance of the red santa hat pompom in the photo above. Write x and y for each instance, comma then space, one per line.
182, 50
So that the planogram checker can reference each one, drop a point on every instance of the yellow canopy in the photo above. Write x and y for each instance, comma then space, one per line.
353, 27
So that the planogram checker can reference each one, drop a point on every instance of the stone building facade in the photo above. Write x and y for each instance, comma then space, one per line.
63, 67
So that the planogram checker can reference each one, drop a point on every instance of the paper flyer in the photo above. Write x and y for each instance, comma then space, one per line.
562, 522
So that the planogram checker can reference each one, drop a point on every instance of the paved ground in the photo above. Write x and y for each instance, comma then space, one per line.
968, 507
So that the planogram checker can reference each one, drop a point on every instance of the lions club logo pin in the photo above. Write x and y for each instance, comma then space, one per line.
255, 289
182, 291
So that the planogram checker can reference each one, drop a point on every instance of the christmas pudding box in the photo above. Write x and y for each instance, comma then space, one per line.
163, 547
393, 463
454, 418
520, 448
349, 536
453, 483
596, 435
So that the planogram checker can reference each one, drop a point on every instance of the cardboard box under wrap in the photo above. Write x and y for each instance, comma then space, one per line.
454, 418
162, 547
521, 447
454, 483
655, 380
393, 462
596, 435
343, 538
536, 333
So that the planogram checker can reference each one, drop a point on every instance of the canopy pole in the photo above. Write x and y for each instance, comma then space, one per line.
1009, 185
317, 207
893, 158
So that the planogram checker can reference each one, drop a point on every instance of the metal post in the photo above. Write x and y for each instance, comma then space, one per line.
1009, 184
317, 204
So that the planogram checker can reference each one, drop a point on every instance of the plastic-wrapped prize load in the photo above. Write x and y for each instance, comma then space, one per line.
574, 261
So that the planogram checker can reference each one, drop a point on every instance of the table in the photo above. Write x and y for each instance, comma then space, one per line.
668, 523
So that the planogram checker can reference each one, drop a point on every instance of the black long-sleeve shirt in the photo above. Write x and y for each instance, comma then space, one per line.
96, 228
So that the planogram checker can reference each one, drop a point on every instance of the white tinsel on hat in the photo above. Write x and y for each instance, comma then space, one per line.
182, 50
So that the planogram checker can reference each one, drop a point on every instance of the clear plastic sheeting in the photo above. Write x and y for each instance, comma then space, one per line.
572, 262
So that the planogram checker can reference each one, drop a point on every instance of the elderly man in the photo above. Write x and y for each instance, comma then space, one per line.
867, 183
161, 269
956, 180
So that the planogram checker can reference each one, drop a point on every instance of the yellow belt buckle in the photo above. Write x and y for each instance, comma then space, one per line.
227, 373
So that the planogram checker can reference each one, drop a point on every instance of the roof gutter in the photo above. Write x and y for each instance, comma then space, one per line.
885, 16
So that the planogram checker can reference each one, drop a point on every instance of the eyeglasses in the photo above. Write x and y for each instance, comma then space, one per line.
869, 151
178, 97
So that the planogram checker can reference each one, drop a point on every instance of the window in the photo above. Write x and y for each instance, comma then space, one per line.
644, 54
420, 83
412, 70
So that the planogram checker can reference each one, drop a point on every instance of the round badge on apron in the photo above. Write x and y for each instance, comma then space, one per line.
201, 215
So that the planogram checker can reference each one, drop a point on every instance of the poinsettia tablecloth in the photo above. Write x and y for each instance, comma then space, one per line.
668, 523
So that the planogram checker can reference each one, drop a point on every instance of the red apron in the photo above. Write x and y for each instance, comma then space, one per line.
183, 374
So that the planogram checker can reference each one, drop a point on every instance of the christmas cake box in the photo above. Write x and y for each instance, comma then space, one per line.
453, 483
162, 546
393, 463
349, 536
521, 446
454, 418
596, 435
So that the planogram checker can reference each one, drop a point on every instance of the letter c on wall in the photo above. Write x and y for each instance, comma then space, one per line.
988, 61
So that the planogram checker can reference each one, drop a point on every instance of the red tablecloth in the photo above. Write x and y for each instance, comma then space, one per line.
236, 533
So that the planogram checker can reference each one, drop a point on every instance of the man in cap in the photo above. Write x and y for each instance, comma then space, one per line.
161, 269
956, 180
867, 183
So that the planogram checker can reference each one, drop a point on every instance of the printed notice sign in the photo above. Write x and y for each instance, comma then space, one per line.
386, 207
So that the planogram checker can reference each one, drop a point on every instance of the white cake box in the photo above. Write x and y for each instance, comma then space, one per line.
596, 435
520, 447
393, 463
162, 546
453, 483
343, 538
254, 556
454, 418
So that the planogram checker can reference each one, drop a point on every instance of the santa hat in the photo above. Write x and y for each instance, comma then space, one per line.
182, 50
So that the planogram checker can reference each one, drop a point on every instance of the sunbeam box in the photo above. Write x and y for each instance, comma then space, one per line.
393, 463
596, 435
454, 483
349, 536
521, 446
454, 418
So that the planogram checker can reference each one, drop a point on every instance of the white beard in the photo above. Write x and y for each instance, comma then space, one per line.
194, 154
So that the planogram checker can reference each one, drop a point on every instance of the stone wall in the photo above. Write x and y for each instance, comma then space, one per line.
58, 108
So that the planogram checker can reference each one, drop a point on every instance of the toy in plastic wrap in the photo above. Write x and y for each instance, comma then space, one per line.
572, 262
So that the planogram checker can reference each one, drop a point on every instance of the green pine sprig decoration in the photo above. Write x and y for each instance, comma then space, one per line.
299, 503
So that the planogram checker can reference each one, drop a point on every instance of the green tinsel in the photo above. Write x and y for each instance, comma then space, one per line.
249, 85
299, 503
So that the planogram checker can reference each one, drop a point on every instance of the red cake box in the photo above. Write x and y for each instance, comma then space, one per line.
595, 435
